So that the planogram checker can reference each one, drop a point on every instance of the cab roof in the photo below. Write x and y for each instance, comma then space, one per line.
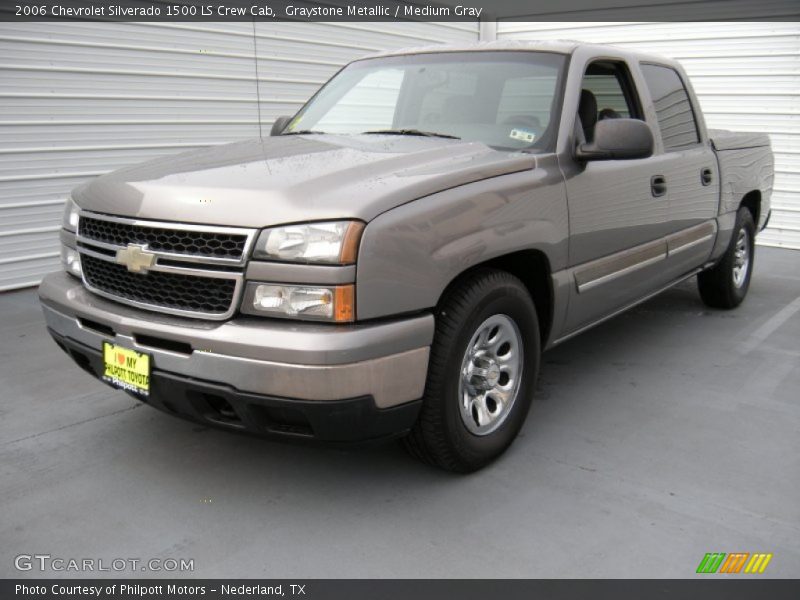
557, 46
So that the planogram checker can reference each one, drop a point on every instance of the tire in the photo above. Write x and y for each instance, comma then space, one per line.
725, 284
456, 430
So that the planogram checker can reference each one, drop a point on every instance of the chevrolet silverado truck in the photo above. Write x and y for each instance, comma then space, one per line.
393, 259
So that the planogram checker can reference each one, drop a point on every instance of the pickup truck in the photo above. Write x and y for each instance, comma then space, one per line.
393, 259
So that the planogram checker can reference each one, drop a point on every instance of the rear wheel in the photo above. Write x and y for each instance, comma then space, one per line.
725, 285
482, 370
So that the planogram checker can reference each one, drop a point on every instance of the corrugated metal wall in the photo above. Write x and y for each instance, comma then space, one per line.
747, 76
80, 99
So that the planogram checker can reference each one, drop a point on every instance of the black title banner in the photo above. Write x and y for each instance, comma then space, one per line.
402, 589
398, 10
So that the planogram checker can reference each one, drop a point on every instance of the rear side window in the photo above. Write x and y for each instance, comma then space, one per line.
674, 110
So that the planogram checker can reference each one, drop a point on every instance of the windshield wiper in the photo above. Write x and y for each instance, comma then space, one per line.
304, 132
412, 132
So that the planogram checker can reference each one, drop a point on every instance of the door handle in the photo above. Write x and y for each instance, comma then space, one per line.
658, 185
706, 176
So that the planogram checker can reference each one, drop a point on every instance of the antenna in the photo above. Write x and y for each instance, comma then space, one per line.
258, 86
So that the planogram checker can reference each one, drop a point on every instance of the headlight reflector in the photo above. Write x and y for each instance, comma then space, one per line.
310, 302
71, 216
331, 242
71, 260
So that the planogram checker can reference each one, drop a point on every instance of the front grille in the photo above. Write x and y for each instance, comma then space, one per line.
208, 295
209, 244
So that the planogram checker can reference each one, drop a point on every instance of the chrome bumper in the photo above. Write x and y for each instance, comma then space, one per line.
304, 361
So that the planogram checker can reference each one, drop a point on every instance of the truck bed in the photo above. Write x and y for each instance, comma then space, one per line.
745, 164
724, 139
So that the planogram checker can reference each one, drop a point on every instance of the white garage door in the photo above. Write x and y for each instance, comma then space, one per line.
80, 99
747, 76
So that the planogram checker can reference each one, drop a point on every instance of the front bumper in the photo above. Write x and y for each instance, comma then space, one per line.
330, 382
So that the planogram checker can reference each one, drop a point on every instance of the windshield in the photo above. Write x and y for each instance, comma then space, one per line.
507, 100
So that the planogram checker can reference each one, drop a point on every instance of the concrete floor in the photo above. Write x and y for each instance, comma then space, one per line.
666, 433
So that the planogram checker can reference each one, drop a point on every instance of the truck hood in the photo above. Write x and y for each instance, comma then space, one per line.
284, 179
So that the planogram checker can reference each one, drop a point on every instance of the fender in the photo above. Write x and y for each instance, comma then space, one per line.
410, 254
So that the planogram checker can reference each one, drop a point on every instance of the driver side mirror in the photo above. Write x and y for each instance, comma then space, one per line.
618, 139
279, 125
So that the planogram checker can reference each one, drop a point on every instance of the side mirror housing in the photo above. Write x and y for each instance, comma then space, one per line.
618, 139
279, 125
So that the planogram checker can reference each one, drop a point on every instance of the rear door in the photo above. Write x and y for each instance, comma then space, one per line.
689, 167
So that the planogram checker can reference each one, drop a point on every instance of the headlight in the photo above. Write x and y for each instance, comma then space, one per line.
307, 302
332, 242
71, 260
70, 218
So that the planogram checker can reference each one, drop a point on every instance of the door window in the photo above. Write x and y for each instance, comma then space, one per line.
607, 92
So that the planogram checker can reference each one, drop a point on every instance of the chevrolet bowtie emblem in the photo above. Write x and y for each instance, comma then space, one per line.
136, 258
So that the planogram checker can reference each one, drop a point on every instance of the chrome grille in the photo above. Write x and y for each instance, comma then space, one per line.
198, 271
180, 292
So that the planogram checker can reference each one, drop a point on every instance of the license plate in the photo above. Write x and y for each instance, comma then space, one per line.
126, 369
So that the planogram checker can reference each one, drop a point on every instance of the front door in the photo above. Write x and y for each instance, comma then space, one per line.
618, 209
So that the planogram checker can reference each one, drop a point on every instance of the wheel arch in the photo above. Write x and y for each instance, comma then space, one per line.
752, 202
530, 266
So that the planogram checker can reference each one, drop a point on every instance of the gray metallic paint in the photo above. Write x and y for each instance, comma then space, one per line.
435, 208
409, 255
289, 179
609, 219
390, 380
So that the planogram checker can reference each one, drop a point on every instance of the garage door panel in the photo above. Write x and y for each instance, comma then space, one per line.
82, 98
15, 217
33, 241
27, 270
380, 36
621, 30
111, 60
17, 51
750, 103
777, 85
764, 123
216, 37
785, 218
101, 159
63, 107
47, 79
132, 132
755, 66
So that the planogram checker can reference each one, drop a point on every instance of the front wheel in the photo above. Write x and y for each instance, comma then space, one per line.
483, 366
725, 285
